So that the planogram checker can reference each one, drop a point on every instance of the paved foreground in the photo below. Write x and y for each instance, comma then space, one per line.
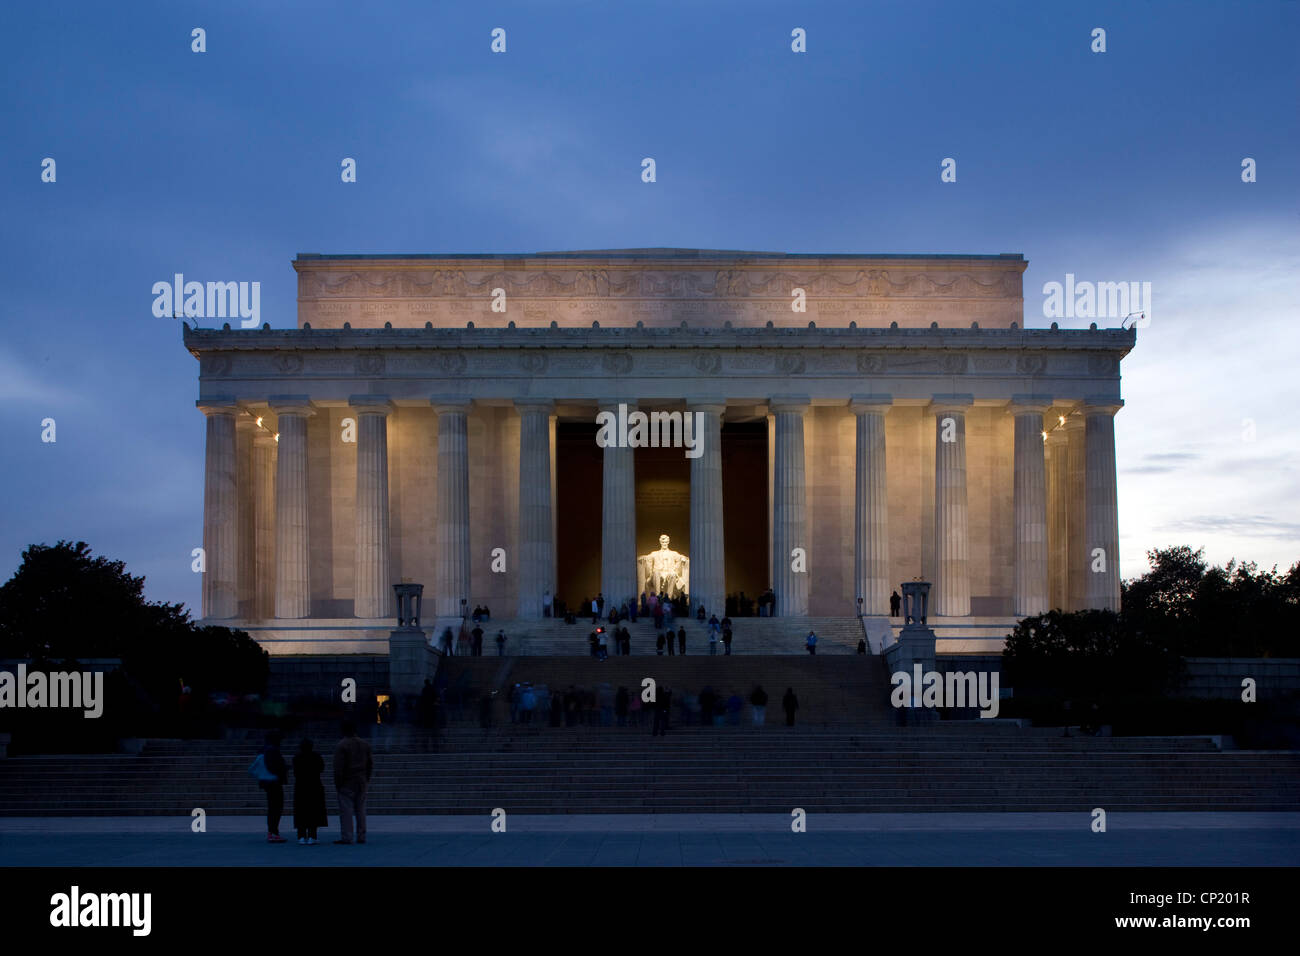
886, 839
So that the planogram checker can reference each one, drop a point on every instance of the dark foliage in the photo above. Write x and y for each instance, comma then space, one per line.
65, 605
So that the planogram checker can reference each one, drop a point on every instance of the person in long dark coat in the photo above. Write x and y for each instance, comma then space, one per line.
308, 794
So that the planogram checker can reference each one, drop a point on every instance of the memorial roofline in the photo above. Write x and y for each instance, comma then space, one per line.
650, 255
1121, 340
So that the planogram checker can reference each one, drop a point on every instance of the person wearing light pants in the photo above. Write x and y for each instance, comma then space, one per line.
758, 701
353, 767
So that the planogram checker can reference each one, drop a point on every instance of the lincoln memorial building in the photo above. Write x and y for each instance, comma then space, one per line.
826, 426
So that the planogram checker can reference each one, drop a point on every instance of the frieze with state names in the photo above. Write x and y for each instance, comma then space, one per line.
709, 362
722, 283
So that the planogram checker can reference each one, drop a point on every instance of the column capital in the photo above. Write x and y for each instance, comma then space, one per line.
445, 404
1072, 422
546, 405
291, 405
245, 423
870, 404
951, 404
370, 404
785, 404
217, 406
1101, 405
1029, 404
710, 406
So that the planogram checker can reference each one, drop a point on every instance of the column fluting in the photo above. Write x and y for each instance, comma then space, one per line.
220, 512
372, 576
1029, 506
708, 547
789, 508
1102, 519
951, 521
292, 520
536, 524
871, 504
618, 518
452, 573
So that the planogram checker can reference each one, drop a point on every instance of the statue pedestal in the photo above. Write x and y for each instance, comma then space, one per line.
410, 661
915, 646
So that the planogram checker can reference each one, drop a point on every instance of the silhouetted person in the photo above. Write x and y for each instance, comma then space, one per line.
478, 640
274, 788
791, 704
308, 793
811, 643
726, 639
681, 639
659, 644
758, 701
895, 602
662, 705
501, 643
862, 645
670, 640
353, 767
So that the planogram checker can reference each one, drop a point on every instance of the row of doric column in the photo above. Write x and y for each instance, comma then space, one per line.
1065, 514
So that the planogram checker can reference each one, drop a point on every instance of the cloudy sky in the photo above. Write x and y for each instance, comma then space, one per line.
1115, 166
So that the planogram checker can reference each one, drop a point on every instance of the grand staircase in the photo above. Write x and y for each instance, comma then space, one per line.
846, 753
594, 769
751, 635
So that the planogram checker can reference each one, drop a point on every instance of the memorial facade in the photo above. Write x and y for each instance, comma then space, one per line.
859, 421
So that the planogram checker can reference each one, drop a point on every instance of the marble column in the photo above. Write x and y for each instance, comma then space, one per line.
708, 549
535, 560
1076, 506
871, 505
246, 522
618, 518
372, 575
452, 574
1101, 530
264, 456
951, 522
789, 507
292, 523
1029, 505
1058, 542
220, 512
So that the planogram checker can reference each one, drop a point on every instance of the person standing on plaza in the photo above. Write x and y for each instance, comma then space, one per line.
478, 640
274, 786
811, 642
308, 794
681, 638
894, 603
501, 643
353, 767
726, 639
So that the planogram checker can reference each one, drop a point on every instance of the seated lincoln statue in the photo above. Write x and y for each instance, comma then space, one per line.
663, 571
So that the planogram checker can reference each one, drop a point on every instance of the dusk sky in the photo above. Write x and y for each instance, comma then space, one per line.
1117, 166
